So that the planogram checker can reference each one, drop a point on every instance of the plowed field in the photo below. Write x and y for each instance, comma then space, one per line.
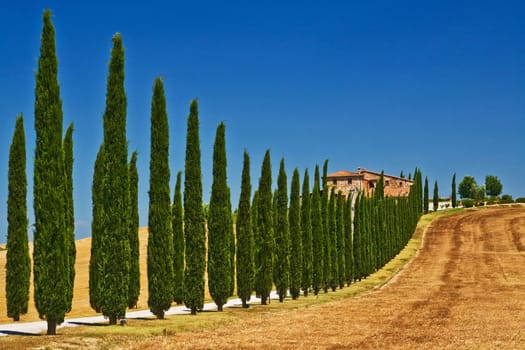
464, 290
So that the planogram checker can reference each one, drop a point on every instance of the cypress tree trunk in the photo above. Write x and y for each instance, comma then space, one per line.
194, 229
296, 256
435, 199
18, 263
178, 243
219, 226
69, 212
317, 236
50, 254
265, 236
160, 238
245, 242
282, 236
115, 249
306, 228
97, 230
134, 266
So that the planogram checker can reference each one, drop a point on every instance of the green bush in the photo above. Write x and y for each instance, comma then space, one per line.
468, 203
506, 198
520, 200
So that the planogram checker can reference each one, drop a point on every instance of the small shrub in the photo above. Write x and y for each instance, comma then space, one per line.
506, 198
468, 203
520, 200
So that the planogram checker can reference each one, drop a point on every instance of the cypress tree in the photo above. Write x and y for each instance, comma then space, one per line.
357, 237
435, 199
194, 226
425, 196
264, 236
160, 238
219, 226
69, 211
134, 266
317, 236
18, 263
115, 250
341, 273
97, 230
454, 196
349, 246
282, 236
332, 237
177, 220
306, 229
245, 242
296, 256
50, 254
327, 257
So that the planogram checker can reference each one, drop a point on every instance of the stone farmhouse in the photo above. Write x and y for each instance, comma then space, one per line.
350, 183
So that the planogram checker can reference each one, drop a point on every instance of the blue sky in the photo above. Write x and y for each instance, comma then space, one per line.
386, 85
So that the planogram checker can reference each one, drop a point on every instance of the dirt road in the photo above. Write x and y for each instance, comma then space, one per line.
465, 290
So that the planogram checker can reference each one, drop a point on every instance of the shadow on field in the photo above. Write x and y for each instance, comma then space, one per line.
25, 334
88, 324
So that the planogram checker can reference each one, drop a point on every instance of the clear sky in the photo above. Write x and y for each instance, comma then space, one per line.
385, 85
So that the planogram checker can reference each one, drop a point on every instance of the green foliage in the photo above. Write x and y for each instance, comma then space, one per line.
264, 238
296, 249
327, 257
332, 238
245, 239
518, 200
69, 212
468, 203
97, 230
454, 196
425, 196
18, 263
349, 244
220, 226
194, 227
340, 240
115, 250
134, 267
493, 185
50, 254
317, 236
435, 199
507, 198
282, 236
306, 228
160, 239
177, 220
467, 187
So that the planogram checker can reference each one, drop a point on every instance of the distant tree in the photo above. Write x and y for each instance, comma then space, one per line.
402, 174
379, 192
327, 257
97, 231
194, 227
115, 249
69, 211
50, 255
317, 236
177, 221
134, 266
160, 238
306, 228
454, 196
467, 187
493, 186
296, 252
245, 240
425, 197
435, 199
18, 263
479, 193
219, 226
265, 235
282, 236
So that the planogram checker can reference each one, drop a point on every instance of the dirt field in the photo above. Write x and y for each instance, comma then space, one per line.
465, 290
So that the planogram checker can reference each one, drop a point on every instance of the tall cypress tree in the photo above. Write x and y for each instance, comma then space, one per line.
264, 236
349, 244
219, 226
134, 267
332, 237
160, 239
296, 251
306, 229
50, 254
435, 199
341, 273
327, 257
177, 221
245, 242
317, 236
425, 196
454, 196
115, 248
282, 236
194, 227
97, 230
18, 263
69, 211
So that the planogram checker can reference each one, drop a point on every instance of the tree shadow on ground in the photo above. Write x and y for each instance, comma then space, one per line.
25, 334
97, 324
